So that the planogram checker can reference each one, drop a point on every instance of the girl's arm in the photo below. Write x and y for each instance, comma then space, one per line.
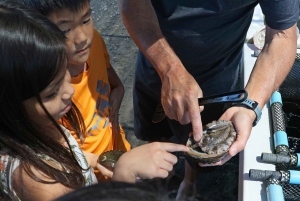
29, 189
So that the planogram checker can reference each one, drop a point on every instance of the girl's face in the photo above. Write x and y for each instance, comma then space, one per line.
56, 98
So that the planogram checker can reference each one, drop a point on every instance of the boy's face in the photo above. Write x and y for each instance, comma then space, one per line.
79, 29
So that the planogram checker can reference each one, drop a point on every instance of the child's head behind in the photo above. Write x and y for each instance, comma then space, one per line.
73, 17
34, 92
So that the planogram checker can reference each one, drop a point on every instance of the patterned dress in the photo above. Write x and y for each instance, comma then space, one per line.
5, 173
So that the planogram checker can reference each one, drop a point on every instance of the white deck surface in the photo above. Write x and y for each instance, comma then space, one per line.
261, 137
259, 141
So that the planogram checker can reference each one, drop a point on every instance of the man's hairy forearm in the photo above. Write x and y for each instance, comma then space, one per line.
141, 22
273, 64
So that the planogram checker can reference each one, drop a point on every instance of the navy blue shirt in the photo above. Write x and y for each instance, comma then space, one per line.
208, 35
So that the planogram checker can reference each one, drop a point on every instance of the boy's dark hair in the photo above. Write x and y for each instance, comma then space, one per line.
46, 7
32, 54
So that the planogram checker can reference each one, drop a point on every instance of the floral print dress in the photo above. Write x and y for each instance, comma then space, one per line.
5, 173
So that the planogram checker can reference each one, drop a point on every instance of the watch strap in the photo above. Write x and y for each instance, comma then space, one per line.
251, 104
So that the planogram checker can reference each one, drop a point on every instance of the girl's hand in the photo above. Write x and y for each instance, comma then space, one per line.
104, 171
147, 161
92, 160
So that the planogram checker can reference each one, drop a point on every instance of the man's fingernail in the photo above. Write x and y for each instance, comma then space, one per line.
234, 151
197, 137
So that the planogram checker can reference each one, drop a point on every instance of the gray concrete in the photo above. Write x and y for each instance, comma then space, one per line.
122, 51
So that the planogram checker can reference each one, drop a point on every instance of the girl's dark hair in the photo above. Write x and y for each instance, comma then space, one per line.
32, 53
46, 7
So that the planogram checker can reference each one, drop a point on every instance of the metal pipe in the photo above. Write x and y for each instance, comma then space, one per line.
274, 178
290, 159
290, 176
280, 136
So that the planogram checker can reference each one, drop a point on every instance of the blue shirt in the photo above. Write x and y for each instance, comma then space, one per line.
208, 36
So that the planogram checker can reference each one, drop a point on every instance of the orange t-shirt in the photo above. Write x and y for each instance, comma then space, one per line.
91, 96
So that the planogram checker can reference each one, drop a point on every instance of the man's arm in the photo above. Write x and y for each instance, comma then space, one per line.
272, 66
180, 91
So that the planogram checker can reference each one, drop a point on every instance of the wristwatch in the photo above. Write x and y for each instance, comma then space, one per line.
253, 105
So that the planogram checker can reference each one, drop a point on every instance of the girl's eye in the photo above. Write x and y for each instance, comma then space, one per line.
53, 95
87, 21
66, 31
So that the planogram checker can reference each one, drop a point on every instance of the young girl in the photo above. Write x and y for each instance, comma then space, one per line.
39, 159
35, 92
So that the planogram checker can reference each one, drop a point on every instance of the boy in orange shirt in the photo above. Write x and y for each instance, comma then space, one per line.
98, 89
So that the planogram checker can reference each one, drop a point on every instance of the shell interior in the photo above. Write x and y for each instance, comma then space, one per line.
224, 135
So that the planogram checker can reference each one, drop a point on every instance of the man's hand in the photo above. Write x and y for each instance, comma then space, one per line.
179, 97
180, 91
242, 119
